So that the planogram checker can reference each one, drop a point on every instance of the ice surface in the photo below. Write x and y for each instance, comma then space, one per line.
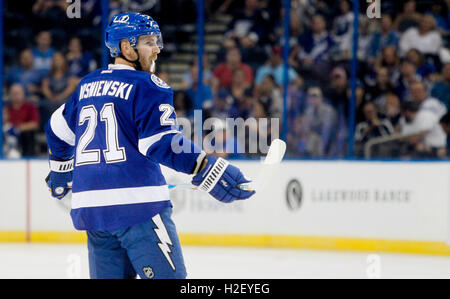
71, 261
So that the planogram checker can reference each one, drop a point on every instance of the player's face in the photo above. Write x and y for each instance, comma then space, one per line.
148, 51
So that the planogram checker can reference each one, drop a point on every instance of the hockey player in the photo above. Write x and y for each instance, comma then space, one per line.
109, 139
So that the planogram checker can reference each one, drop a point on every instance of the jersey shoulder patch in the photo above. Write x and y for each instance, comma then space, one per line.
159, 82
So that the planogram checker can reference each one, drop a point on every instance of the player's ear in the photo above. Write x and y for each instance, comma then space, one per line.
127, 50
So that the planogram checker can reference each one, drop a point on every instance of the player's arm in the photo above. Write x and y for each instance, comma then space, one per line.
59, 131
161, 141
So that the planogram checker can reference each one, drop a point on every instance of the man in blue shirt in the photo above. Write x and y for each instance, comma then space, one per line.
274, 67
43, 52
25, 73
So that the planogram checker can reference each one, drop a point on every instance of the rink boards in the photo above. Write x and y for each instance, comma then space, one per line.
344, 205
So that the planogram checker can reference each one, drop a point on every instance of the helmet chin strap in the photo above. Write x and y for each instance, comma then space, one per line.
136, 62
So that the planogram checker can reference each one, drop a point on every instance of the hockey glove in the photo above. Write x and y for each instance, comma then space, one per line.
59, 180
222, 180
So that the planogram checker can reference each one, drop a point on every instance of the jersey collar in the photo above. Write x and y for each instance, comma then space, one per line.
120, 67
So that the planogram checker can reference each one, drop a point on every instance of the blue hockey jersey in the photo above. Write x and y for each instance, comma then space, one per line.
118, 127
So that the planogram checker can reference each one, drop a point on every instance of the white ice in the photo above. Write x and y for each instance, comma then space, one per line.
70, 261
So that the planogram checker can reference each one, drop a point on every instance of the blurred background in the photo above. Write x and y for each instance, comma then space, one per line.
346, 80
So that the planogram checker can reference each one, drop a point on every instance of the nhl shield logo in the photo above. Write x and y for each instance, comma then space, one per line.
148, 272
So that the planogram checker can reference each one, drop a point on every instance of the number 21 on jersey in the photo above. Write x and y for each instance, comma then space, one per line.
113, 153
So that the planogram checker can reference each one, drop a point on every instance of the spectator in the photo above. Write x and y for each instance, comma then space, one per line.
337, 88
424, 68
252, 54
249, 19
183, 105
295, 29
338, 93
223, 73
238, 81
57, 86
80, 62
305, 10
274, 67
425, 38
441, 90
296, 100
25, 74
392, 110
227, 44
22, 120
386, 36
188, 76
221, 105
320, 117
43, 52
420, 97
372, 127
49, 13
243, 104
364, 39
408, 18
343, 29
259, 134
314, 49
389, 59
269, 96
408, 75
191, 92
275, 31
428, 137
378, 92
302, 141
441, 13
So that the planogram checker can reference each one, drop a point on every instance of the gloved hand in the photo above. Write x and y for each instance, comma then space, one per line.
59, 180
222, 180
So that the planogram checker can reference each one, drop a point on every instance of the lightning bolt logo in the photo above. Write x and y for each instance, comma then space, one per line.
163, 236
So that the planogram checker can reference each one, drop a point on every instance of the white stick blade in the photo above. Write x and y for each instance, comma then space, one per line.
276, 152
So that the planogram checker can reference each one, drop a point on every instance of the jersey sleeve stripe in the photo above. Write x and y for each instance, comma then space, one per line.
60, 127
145, 143
119, 196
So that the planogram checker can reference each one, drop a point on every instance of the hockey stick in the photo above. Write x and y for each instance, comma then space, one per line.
273, 158
270, 163
269, 168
